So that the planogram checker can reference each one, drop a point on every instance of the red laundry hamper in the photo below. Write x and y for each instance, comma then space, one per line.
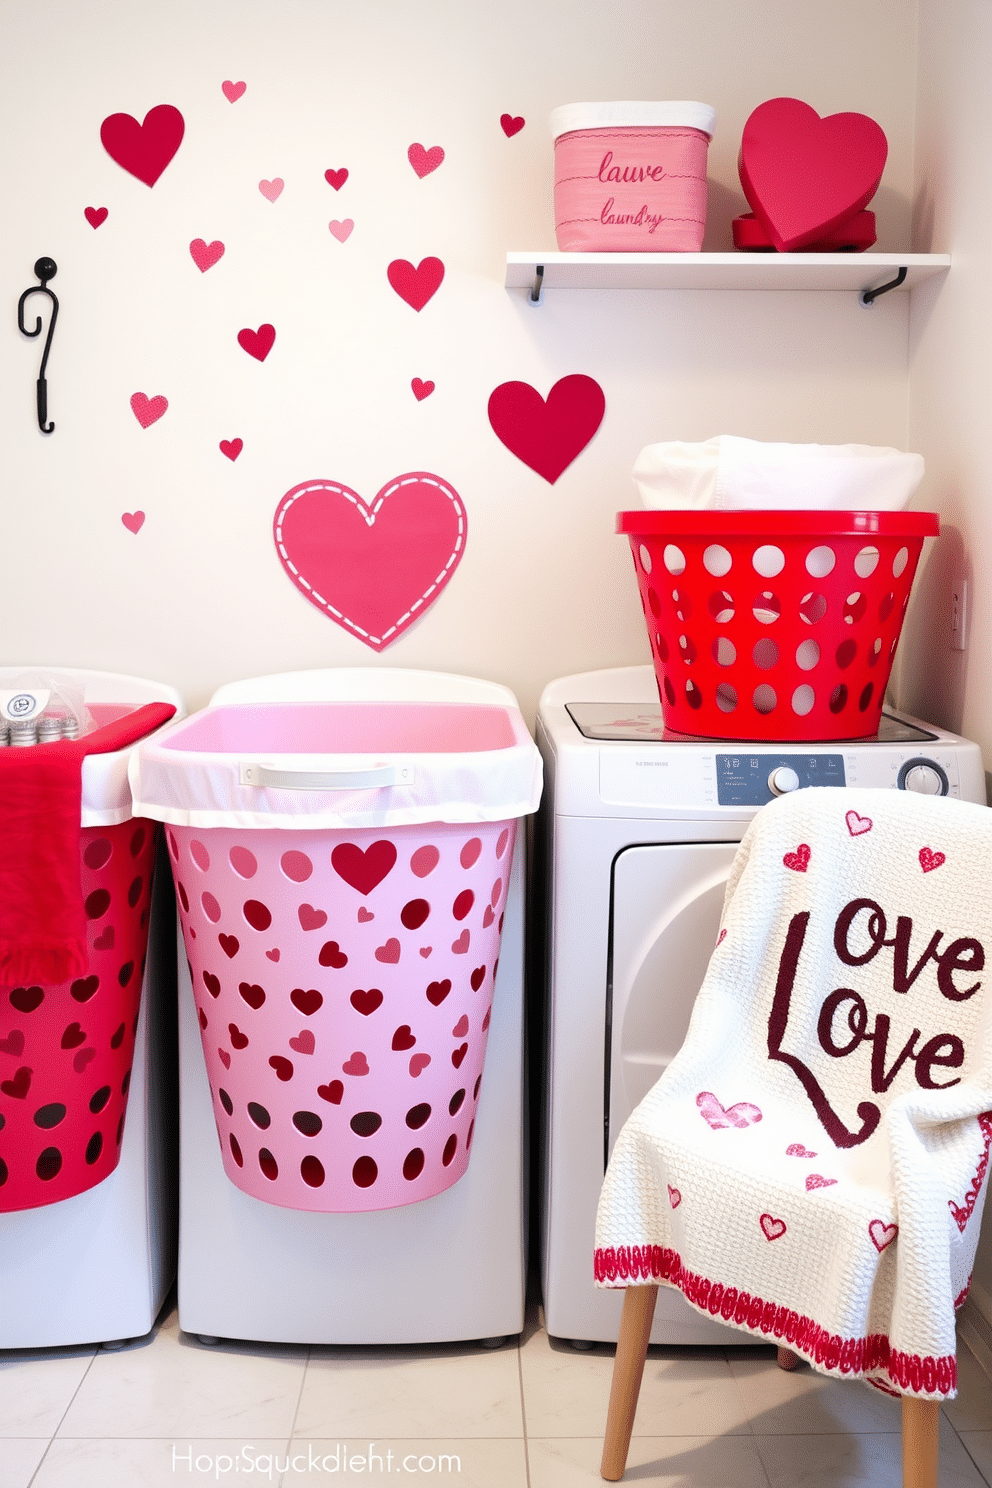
774, 624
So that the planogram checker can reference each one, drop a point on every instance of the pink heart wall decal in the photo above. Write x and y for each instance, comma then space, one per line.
425, 161
95, 215
372, 569
336, 178
148, 410
272, 190
145, 149
341, 230
231, 448
415, 285
803, 175
233, 91
205, 255
547, 435
258, 343
511, 124
133, 521
421, 390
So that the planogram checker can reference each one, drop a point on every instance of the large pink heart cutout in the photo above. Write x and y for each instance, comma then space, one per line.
373, 569
145, 149
803, 175
547, 435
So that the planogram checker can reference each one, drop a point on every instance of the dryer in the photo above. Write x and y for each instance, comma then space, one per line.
636, 835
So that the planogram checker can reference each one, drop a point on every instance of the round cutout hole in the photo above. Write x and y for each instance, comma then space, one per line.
717, 560
693, 696
764, 698
764, 654
820, 561
645, 558
721, 606
766, 608
688, 649
846, 652
899, 562
807, 655
660, 646
726, 697
864, 701
803, 699
724, 651
887, 606
855, 607
674, 559
768, 560
838, 698
812, 608
866, 562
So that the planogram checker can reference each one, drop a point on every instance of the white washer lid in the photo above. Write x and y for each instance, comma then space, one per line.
678, 114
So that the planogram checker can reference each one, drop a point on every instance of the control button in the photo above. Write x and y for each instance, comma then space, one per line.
924, 777
782, 780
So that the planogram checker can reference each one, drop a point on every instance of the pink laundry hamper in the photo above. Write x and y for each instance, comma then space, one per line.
343, 943
631, 177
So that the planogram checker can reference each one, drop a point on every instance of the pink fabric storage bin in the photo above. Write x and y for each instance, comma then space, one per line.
342, 870
631, 177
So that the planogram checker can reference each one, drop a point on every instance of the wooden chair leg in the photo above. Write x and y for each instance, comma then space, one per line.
787, 1359
628, 1367
920, 1433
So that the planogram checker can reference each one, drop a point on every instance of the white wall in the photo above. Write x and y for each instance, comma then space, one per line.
197, 596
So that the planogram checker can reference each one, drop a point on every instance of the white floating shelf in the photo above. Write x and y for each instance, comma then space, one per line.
855, 272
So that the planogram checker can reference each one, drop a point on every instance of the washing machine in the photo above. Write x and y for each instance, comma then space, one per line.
450, 1267
636, 835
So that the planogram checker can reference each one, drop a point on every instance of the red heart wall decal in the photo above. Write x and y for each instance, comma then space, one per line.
204, 254
511, 124
803, 175
373, 569
257, 343
415, 285
145, 149
547, 435
336, 178
95, 215
147, 410
425, 161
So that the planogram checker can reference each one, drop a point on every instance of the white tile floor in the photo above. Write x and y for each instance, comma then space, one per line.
169, 1411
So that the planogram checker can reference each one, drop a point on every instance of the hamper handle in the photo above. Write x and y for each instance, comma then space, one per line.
254, 773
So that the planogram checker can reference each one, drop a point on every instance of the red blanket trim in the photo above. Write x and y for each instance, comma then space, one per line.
962, 1213
870, 1355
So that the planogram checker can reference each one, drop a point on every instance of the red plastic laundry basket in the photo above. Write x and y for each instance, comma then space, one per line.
70, 1045
774, 625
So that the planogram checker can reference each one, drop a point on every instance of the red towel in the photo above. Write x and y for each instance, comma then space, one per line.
42, 923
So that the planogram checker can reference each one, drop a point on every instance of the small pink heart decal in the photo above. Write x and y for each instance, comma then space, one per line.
857, 825
719, 1117
478, 977
438, 991
211, 983
421, 390
488, 916
272, 190
547, 435
364, 915
674, 1197
341, 230
415, 285
95, 215
332, 1092
231, 448
310, 918
457, 1055
258, 343
133, 521
304, 1042
357, 1064
798, 1150
229, 944
224, 1057
425, 951
419, 1063
205, 255
461, 1027
425, 161
460, 946
403, 1038
366, 1002
336, 178
148, 410
798, 861
390, 952
773, 1229
145, 149
233, 91
814, 1180
882, 1234
511, 124
273, 955
390, 561
929, 860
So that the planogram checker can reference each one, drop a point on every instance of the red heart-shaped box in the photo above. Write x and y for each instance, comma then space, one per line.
802, 175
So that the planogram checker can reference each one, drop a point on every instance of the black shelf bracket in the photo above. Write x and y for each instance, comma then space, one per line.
867, 297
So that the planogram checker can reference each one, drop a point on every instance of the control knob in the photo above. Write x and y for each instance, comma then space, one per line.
924, 777
782, 780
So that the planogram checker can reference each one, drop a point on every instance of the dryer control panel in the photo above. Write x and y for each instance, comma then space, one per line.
744, 779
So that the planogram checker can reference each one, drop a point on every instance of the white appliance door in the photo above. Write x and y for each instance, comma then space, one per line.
667, 900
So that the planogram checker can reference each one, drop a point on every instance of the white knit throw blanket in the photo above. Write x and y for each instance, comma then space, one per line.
811, 1166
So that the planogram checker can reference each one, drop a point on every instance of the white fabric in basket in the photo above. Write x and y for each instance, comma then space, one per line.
729, 473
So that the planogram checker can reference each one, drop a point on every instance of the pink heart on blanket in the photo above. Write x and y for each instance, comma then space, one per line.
856, 824
798, 1150
814, 1180
772, 1228
798, 861
719, 1116
674, 1197
882, 1234
929, 860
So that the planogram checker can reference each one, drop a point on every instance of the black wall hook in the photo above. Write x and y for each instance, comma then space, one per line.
869, 296
45, 268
